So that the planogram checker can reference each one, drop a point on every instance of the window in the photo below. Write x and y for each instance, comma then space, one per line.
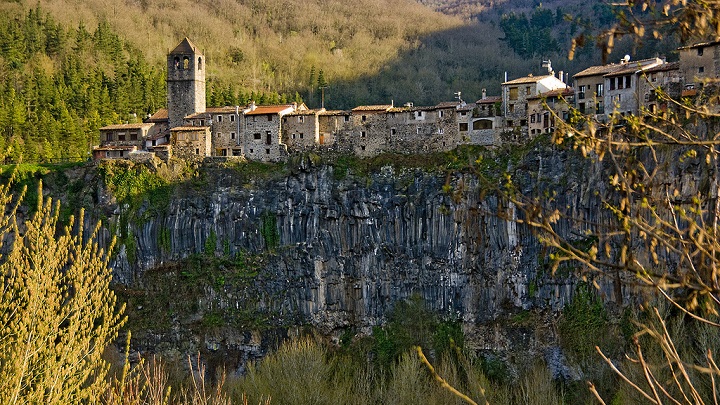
581, 107
527, 90
202, 123
617, 98
186, 62
218, 118
257, 136
441, 131
581, 93
612, 83
362, 147
463, 127
701, 69
197, 151
440, 113
523, 123
463, 113
511, 108
700, 51
268, 138
232, 135
483, 124
599, 108
267, 151
293, 136
252, 150
621, 83
417, 130
269, 117
133, 136
419, 115
347, 118
600, 90
301, 135
532, 118
199, 63
392, 131
177, 62
121, 136
628, 82
362, 134
108, 136
513, 93
232, 118
219, 134
364, 118
510, 123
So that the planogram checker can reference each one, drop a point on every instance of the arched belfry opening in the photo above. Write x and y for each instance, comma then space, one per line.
185, 82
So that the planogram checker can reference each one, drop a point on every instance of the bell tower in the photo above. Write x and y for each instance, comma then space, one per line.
185, 82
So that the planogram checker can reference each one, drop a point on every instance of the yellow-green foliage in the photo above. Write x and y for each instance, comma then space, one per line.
57, 313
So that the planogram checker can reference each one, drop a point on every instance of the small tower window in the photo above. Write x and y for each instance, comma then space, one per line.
177, 62
199, 63
186, 62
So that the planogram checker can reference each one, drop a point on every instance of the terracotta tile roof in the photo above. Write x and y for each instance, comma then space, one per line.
160, 115
270, 109
489, 100
185, 129
398, 109
689, 93
566, 92
376, 108
448, 104
336, 112
128, 126
304, 112
157, 136
615, 68
115, 147
527, 79
185, 46
699, 45
213, 110
665, 67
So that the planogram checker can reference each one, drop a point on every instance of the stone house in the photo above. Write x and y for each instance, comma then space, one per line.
118, 141
699, 62
665, 77
331, 124
600, 90
515, 94
262, 131
225, 128
159, 134
368, 135
545, 107
301, 130
191, 142
487, 120
622, 86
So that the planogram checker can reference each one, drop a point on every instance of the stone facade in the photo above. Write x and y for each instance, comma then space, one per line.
545, 107
666, 77
185, 82
118, 141
699, 62
225, 129
301, 130
261, 138
191, 142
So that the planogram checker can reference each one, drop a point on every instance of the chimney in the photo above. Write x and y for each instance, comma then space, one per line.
561, 76
252, 105
484, 94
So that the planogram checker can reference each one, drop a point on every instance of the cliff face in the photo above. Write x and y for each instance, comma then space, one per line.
337, 252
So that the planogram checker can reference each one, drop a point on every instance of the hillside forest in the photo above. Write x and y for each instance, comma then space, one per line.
68, 69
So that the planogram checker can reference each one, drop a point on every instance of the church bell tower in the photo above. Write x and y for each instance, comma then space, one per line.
185, 82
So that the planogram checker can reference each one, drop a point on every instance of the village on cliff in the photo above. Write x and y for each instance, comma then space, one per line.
528, 106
